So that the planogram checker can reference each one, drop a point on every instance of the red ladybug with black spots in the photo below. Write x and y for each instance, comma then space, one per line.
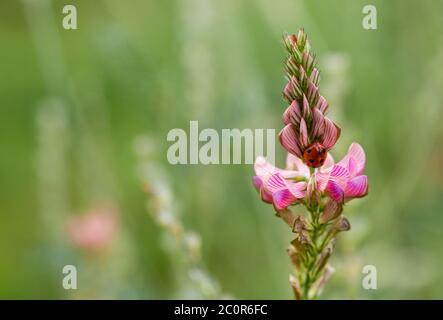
315, 155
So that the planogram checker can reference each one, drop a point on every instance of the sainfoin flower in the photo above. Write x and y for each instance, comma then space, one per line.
346, 180
341, 182
311, 178
277, 186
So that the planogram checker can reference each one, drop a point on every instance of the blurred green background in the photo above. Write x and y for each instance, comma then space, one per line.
74, 103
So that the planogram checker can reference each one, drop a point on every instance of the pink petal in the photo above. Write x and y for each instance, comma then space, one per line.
292, 114
340, 175
289, 141
283, 192
331, 133
322, 178
329, 162
318, 123
335, 192
356, 151
322, 105
324, 172
357, 187
297, 189
292, 90
263, 168
277, 182
282, 199
266, 196
274, 183
296, 164
352, 167
258, 183
306, 108
288, 92
312, 91
315, 76
303, 133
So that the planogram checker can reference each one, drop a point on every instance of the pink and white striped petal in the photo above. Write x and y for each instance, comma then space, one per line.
288, 140
331, 133
306, 108
258, 183
356, 152
282, 199
324, 173
294, 163
340, 175
298, 189
284, 193
303, 133
264, 168
318, 123
322, 105
352, 167
357, 187
335, 192
292, 114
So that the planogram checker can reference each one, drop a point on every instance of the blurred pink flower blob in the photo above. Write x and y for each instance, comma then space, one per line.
95, 229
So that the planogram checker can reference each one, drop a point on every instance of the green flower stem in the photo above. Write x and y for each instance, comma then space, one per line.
312, 271
310, 277
309, 251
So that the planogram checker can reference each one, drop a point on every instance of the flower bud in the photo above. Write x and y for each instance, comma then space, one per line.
343, 224
295, 258
301, 243
318, 286
287, 216
291, 41
300, 224
296, 288
313, 195
324, 258
331, 211
305, 239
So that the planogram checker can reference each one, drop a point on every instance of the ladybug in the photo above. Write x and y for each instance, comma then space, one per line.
315, 155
